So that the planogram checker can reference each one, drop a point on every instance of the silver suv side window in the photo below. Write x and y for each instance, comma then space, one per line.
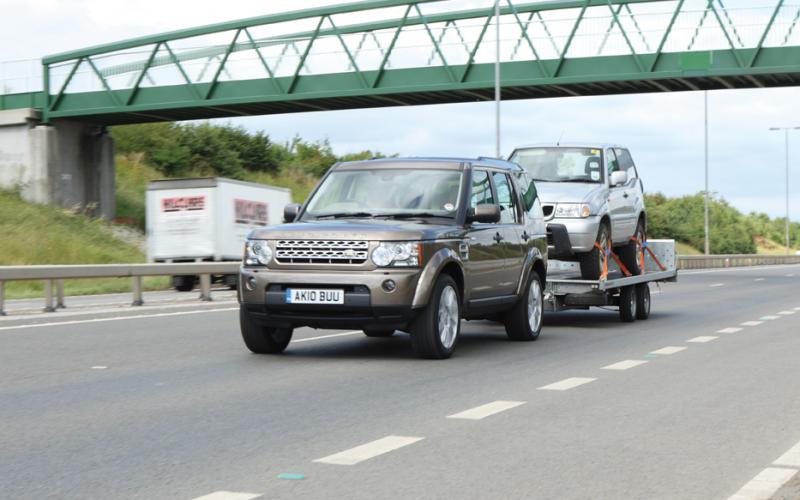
611, 161
481, 189
626, 163
505, 198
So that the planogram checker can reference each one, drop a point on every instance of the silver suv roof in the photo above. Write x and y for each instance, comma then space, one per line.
595, 145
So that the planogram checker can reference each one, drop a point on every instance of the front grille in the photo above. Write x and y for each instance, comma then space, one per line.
321, 251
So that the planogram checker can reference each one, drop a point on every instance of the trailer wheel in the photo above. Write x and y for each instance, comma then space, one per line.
642, 301
184, 283
260, 339
627, 304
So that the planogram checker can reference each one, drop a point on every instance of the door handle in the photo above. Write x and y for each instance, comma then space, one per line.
498, 237
625, 195
525, 236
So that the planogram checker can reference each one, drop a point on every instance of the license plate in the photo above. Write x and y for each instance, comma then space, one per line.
314, 296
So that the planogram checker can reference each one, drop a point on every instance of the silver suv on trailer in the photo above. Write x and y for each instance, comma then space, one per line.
592, 197
400, 244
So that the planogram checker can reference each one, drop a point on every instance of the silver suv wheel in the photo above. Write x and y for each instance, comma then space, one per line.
535, 306
448, 317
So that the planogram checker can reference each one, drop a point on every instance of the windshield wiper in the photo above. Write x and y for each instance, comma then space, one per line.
343, 215
406, 215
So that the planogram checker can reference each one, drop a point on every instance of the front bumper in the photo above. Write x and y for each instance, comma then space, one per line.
582, 233
366, 303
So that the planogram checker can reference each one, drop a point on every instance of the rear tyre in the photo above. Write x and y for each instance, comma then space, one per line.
260, 339
592, 262
524, 320
631, 253
642, 301
183, 283
627, 304
435, 331
379, 333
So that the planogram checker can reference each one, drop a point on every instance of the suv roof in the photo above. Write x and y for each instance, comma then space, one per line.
451, 162
595, 145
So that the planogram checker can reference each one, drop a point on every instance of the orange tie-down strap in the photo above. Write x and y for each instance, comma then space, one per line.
606, 253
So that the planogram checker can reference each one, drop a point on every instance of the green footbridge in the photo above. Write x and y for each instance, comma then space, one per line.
399, 53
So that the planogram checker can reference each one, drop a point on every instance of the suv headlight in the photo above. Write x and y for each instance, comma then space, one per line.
398, 254
257, 253
573, 210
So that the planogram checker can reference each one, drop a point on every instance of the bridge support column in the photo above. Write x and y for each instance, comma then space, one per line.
68, 164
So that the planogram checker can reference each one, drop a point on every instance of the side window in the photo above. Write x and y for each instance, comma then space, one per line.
626, 163
505, 198
481, 189
611, 161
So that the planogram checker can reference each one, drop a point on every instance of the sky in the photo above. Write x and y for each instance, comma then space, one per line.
664, 131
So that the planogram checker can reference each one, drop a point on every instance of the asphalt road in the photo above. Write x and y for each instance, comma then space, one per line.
165, 402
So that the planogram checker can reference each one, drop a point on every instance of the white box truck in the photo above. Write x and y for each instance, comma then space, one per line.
207, 220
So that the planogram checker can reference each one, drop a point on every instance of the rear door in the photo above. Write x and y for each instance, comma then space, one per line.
511, 230
486, 260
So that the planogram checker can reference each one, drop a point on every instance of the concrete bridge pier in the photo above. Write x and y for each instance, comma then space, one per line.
68, 164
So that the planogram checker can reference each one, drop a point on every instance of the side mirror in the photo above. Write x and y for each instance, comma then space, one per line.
530, 196
619, 178
484, 214
290, 212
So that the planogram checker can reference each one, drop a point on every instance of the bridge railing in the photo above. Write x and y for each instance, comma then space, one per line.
54, 276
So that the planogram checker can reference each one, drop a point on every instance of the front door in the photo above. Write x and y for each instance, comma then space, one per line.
617, 201
486, 259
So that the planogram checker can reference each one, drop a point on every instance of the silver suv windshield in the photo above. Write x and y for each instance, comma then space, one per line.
406, 192
561, 164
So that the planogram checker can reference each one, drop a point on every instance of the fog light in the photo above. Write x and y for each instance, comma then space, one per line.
250, 283
389, 286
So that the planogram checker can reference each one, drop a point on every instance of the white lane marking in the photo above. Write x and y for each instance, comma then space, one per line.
567, 384
790, 275
752, 323
60, 314
625, 365
229, 495
703, 339
764, 485
791, 458
769, 318
797, 308
741, 269
487, 410
666, 351
345, 334
786, 313
369, 450
715, 285
759, 279
99, 367
116, 318
733, 329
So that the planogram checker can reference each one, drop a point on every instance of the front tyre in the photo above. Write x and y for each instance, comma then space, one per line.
260, 339
592, 262
435, 331
524, 320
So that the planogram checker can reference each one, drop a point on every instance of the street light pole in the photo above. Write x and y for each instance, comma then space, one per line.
786, 139
705, 204
497, 95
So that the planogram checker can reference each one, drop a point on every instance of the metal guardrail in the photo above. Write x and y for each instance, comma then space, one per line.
722, 261
54, 276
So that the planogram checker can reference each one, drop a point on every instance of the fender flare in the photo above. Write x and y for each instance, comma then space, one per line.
430, 273
534, 256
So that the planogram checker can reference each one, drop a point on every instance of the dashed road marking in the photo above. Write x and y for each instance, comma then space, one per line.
99, 367
791, 275
625, 365
716, 285
769, 318
229, 495
791, 458
703, 339
368, 450
786, 313
567, 384
732, 329
759, 279
765, 484
668, 350
752, 323
797, 308
486, 410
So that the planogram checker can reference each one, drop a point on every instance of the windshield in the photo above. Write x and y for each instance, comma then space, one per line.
561, 164
389, 192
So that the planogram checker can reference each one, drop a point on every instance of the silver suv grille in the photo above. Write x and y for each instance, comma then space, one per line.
321, 251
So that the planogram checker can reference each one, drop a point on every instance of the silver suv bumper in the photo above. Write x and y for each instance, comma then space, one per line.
582, 232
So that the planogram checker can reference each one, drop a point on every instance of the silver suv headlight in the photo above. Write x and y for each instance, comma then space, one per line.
397, 254
573, 210
257, 253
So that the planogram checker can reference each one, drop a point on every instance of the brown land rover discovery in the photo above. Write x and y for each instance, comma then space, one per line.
400, 244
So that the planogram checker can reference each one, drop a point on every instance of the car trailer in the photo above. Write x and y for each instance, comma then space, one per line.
618, 288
